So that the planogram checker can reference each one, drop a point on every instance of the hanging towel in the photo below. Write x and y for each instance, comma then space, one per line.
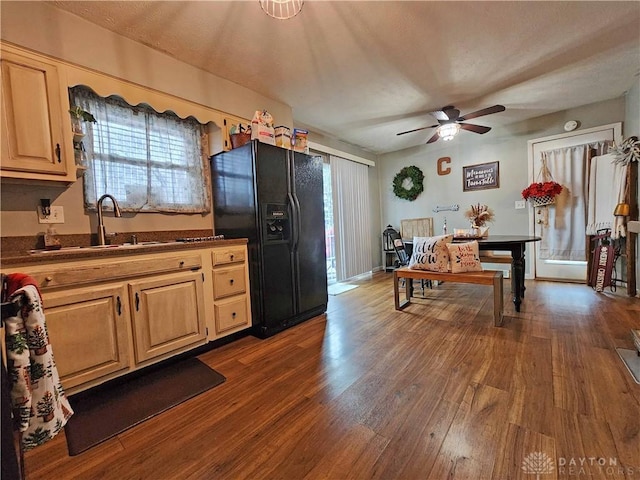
606, 181
40, 406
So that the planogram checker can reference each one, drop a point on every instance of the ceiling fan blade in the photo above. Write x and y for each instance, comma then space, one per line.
435, 137
484, 111
474, 128
451, 113
440, 115
417, 129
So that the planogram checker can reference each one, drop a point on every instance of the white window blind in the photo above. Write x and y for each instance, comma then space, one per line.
351, 217
149, 161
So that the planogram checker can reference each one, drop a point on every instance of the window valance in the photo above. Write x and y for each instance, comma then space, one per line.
106, 86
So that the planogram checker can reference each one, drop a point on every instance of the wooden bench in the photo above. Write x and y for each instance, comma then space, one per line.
487, 277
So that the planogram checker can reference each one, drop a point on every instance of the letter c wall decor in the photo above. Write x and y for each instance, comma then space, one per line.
443, 170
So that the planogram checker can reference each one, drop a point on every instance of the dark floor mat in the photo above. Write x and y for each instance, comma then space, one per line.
106, 411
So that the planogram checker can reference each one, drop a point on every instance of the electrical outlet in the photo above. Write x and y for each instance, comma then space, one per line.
520, 204
56, 215
506, 273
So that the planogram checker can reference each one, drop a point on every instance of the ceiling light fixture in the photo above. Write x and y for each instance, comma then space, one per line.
448, 131
281, 9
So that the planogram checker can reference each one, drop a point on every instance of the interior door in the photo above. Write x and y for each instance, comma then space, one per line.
561, 269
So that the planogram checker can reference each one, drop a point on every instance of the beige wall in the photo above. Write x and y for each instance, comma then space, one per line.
44, 29
507, 145
47, 30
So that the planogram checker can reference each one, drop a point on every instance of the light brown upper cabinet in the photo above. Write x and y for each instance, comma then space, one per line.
36, 145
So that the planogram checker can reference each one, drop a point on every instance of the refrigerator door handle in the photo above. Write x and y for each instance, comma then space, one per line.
295, 236
293, 252
296, 219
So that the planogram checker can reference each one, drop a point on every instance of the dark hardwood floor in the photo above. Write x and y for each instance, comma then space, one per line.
433, 392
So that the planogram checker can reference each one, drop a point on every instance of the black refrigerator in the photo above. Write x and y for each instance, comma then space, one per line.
274, 197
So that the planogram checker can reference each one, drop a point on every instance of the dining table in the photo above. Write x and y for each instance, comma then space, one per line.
515, 245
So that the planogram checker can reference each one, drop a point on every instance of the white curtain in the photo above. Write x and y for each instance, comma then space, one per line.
149, 161
351, 216
607, 180
564, 238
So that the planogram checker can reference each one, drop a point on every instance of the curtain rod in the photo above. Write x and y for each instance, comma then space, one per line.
338, 153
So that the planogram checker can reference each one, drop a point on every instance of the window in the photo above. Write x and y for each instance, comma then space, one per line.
149, 161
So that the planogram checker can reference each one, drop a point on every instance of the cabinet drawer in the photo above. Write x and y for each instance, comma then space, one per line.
228, 255
116, 270
228, 281
231, 314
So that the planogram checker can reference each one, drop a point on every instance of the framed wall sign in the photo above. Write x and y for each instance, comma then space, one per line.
481, 177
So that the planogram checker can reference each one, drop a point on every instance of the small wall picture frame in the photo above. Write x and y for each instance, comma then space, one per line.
481, 176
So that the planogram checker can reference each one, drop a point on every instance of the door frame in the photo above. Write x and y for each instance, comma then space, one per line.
531, 175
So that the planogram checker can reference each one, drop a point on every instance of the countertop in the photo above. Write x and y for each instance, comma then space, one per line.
11, 258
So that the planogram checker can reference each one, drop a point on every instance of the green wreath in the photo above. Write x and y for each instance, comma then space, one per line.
416, 176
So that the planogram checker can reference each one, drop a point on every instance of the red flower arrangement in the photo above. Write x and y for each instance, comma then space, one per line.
549, 189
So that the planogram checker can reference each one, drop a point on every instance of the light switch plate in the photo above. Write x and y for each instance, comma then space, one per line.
520, 204
56, 216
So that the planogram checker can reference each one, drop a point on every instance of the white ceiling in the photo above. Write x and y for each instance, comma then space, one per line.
363, 71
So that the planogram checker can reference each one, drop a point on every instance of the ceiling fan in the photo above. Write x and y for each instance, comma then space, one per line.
450, 122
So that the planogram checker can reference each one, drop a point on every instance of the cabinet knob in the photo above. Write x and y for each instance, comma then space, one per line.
48, 278
231, 281
182, 263
231, 257
233, 315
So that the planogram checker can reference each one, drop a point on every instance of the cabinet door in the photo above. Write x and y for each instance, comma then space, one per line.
88, 332
168, 314
32, 133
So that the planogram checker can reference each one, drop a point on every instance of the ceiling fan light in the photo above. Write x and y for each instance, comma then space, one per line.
281, 9
448, 131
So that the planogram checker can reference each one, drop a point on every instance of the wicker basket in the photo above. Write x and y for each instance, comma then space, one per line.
543, 200
239, 139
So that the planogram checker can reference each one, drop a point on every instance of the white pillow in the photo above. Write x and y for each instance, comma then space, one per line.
464, 257
430, 253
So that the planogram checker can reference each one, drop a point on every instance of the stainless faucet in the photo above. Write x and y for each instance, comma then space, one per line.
102, 232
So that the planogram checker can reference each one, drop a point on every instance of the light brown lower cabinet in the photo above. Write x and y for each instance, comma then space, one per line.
232, 303
101, 332
167, 314
108, 317
88, 330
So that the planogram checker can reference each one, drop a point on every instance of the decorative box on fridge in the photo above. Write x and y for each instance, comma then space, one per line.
283, 137
262, 127
299, 140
